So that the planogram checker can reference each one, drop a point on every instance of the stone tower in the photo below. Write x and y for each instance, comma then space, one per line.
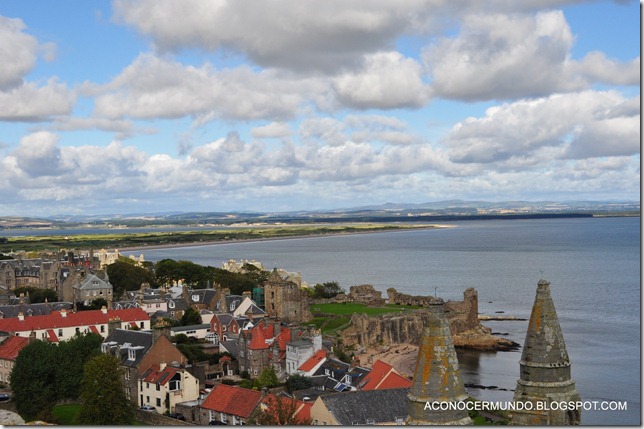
437, 377
545, 368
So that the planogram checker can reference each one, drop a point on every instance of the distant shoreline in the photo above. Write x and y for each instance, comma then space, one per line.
256, 240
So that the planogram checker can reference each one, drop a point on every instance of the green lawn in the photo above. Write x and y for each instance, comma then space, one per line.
66, 414
350, 308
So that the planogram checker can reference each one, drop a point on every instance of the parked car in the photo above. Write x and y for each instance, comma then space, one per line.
177, 416
147, 408
4, 397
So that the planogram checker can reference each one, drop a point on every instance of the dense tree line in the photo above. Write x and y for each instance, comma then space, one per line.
37, 295
45, 373
125, 276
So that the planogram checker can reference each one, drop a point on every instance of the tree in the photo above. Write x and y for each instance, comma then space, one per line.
72, 355
278, 410
297, 382
103, 399
126, 276
37, 295
327, 290
268, 378
33, 381
190, 317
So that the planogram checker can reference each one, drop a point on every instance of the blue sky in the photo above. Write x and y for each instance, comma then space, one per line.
159, 105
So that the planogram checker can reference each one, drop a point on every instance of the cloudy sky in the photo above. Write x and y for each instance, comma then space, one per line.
163, 105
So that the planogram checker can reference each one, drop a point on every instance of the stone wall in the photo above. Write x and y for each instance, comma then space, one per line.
396, 328
365, 294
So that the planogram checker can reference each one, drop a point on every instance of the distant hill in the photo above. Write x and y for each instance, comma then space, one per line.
388, 212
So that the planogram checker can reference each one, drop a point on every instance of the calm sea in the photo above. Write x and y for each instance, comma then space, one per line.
593, 266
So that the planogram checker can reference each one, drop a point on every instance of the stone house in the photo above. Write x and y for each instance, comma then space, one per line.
40, 273
363, 407
264, 346
137, 351
91, 287
223, 325
285, 300
9, 350
163, 386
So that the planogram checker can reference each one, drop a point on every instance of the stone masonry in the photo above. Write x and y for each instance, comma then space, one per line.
545, 368
437, 378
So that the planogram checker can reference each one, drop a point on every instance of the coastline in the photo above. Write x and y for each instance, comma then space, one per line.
255, 240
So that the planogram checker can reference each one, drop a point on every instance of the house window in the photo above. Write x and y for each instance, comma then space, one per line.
223, 418
236, 421
77, 331
158, 386
102, 329
104, 348
175, 385
211, 415
127, 374
232, 306
142, 325
131, 355
147, 399
158, 402
60, 332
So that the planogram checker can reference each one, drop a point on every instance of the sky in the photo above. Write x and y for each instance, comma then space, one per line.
145, 106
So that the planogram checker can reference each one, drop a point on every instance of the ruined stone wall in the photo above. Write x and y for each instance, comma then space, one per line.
287, 302
396, 328
365, 294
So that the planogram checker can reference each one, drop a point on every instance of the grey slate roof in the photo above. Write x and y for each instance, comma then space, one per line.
122, 340
368, 407
42, 309
231, 346
177, 304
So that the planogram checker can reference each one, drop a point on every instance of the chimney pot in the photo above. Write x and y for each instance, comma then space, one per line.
21, 316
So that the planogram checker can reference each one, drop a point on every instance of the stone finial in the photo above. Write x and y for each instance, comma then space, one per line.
545, 374
437, 377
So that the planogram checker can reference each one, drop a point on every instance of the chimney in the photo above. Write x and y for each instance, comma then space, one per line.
63, 312
247, 294
104, 310
113, 325
162, 366
21, 316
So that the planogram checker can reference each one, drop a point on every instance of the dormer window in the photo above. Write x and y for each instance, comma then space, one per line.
195, 298
171, 304
232, 306
131, 354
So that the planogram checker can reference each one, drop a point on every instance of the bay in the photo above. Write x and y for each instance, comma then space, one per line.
593, 265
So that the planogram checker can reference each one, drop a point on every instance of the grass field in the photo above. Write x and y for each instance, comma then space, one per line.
351, 307
67, 414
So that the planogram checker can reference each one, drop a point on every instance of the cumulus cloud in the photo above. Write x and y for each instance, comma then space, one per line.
303, 35
18, 51
386, 81
153, 87
513, 56
30, 102
576, 125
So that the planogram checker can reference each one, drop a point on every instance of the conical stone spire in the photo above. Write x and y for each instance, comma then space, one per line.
545, 369
437, 379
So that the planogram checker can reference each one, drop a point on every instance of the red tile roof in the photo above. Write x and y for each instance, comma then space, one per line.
259, 334
157, 374
384, 376
313, 361
82, 318
10, 348
232, 400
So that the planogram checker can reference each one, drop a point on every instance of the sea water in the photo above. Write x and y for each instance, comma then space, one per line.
593, 265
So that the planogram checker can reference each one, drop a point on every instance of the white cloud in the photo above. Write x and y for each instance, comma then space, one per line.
578, 125
503, 56
387, 81
272, 130
152, 87
18, 51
